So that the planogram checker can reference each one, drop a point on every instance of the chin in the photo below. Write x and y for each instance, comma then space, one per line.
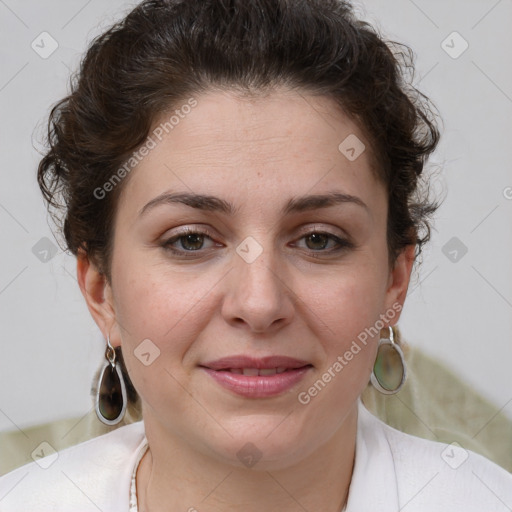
261, 445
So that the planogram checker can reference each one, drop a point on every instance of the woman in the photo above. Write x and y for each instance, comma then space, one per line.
240, 183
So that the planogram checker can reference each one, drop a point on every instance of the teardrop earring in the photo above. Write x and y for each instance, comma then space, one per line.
111, 393
389, 371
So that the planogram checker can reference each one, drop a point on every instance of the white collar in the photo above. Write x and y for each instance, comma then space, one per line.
374, 483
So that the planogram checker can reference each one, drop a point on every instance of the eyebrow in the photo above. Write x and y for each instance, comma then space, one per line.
215, 204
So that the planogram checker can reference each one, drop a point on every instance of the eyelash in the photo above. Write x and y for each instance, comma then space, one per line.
343, 244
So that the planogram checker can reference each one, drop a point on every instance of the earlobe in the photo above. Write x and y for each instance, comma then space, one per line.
399, 278
96, 291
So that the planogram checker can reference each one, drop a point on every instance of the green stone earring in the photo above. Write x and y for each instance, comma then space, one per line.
389, 371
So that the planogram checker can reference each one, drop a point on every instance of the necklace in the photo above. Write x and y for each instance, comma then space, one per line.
133, 487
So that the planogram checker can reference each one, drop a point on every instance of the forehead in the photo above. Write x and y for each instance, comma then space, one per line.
263, 146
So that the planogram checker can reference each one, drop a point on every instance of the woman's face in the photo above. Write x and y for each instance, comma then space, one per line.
253, 280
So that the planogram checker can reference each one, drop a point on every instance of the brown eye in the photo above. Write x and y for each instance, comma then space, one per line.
324, 242
192, 242
189, 241
317, 241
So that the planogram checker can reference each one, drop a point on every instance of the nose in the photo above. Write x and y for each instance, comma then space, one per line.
258, 294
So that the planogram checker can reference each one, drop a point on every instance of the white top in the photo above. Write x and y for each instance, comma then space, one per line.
392, 471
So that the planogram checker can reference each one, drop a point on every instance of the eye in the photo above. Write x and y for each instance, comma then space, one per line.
318, 241
189, 240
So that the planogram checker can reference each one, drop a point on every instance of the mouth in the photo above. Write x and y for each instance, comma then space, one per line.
257, 377
252, 372
244, 362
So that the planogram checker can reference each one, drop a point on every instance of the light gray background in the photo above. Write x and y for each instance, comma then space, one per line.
459, 311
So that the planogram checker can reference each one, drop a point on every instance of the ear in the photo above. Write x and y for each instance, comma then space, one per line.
398, 282
98, 295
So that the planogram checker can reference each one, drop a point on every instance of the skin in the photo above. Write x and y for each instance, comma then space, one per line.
295, 299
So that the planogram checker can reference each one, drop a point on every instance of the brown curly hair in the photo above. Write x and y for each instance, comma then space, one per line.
165, 51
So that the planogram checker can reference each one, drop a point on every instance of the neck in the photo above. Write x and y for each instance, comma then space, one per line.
194, 482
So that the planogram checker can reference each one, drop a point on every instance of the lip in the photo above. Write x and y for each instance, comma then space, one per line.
243, 361
257, 386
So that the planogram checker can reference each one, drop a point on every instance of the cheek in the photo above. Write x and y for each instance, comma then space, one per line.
159, 313
347, 309
351, 298
151, 298
162, 312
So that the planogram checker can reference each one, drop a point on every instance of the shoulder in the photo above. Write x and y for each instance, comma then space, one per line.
81, 477
434, 476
